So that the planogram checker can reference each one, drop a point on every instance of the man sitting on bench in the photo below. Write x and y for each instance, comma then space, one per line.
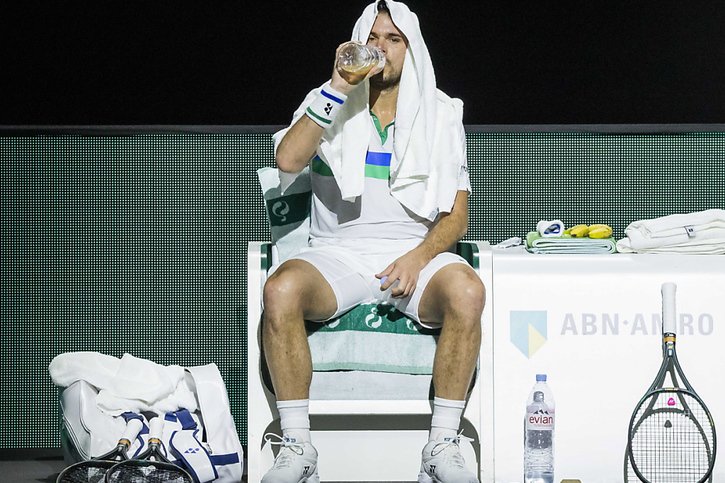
390, 189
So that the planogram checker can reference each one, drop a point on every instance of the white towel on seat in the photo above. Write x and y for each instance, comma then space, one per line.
126, 384
700, 232
429, 146
289, 218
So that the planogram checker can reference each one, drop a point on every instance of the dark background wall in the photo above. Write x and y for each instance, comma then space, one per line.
244, 62
138, 242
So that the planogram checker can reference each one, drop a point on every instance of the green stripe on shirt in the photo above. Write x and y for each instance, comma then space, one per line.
382, 131
320, 167
378, 172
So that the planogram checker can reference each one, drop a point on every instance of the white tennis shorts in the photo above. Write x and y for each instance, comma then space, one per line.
350, 268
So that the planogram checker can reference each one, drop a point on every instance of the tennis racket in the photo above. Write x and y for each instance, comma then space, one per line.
671, 436
151, 466
94, 470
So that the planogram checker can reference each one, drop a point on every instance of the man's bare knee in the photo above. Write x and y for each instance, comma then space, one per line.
283, 293
297, 290
465, 295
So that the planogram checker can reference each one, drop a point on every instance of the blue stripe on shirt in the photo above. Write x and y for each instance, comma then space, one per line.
378, 159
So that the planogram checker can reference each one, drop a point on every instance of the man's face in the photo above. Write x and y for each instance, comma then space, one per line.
386, 36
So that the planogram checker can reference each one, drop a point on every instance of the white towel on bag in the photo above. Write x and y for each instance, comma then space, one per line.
701, 232
429, 146
126, 384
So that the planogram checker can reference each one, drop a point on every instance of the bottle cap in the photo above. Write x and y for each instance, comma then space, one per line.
541, 378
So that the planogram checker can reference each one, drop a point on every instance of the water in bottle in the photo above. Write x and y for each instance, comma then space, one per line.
358, 58
539, 434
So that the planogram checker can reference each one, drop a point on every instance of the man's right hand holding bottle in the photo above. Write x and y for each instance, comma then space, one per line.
355, 62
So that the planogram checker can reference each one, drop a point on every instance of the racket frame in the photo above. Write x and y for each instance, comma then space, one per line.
111, 458
152, 456
670, 365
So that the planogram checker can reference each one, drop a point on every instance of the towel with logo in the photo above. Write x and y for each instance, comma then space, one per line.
288, 212
372, 337
697, 233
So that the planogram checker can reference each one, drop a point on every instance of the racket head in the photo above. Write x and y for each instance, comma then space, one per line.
137, 471
91, 471
94, 470
671, 438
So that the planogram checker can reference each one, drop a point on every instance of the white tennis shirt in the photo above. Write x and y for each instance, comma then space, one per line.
376, 214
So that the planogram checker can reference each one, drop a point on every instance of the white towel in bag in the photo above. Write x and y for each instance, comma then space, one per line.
126, 384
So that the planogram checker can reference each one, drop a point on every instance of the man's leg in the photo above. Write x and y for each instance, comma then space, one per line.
295, 292
455, 297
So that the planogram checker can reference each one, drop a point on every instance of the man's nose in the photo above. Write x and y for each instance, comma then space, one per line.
380, 44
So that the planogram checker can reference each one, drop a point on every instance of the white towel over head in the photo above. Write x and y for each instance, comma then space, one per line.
430, 144
416, 109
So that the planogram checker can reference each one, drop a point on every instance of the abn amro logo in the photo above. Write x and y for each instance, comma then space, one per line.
528, 330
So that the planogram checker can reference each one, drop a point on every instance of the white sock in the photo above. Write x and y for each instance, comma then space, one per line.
446, 418
294, 418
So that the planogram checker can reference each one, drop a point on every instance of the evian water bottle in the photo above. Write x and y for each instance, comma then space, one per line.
539, 434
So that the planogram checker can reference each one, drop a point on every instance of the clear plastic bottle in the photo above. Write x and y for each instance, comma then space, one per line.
387, 295
358, 58
539, 434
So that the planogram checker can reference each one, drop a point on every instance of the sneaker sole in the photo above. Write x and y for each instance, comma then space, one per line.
424, 478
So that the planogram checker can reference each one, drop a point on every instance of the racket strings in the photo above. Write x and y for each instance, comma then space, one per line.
89, 472
147, 472
673, 439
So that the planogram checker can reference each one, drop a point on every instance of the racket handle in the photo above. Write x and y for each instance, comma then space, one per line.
156, 427
669, 311
133, 427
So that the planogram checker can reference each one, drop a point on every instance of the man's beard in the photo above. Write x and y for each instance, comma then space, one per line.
381, 83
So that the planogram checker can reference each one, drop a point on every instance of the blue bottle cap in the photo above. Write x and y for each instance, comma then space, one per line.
541, 378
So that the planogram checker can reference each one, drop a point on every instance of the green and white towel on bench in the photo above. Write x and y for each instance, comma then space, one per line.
535, 243
367, 338
372, 338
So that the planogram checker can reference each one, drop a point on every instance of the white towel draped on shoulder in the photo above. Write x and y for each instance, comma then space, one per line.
430, 144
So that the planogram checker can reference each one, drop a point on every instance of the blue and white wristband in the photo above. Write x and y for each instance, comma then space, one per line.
324, 109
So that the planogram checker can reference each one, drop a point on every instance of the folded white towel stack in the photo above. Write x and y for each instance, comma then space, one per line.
701, 233
581, 246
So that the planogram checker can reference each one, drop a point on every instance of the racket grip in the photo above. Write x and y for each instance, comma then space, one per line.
156, 427
669, 311
133, 427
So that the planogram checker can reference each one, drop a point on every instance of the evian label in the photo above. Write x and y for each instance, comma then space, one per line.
539, 420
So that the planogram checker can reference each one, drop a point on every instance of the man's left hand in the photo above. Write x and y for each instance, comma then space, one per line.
405, 270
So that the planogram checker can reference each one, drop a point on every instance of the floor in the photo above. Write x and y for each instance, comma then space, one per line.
32, 468
36, 469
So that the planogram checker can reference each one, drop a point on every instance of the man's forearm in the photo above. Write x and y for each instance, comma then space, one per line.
448, 230
298, 145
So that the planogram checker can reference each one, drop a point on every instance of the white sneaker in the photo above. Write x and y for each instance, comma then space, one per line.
296, 462
443, 463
